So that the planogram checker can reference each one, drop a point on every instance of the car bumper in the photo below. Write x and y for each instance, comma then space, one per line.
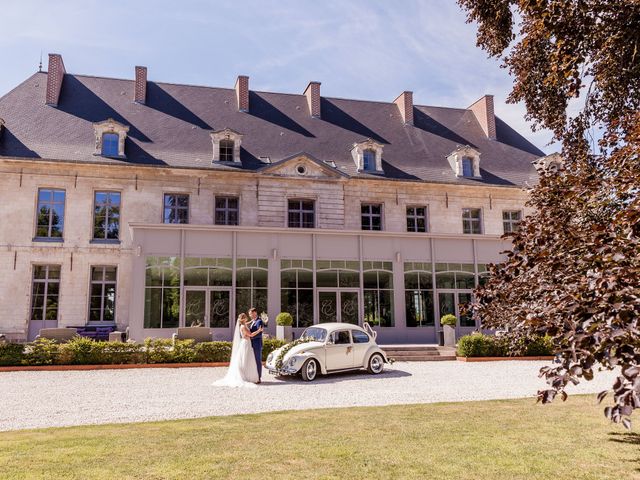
285, 370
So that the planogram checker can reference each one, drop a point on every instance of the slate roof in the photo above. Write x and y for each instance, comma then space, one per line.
173, 128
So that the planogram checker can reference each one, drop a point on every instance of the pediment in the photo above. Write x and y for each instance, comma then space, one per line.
111, 125
303, 166
465, 150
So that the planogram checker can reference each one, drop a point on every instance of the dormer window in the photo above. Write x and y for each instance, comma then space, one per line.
367, 156
110, 144
226, 150
465, 162
467, 167
110, 138
226, 145
369, 160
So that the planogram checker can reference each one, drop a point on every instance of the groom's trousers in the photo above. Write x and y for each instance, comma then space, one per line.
257, 351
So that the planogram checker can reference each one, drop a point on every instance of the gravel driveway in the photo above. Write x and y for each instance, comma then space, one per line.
47, 399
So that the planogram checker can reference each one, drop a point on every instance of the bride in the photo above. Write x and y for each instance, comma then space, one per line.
243, 371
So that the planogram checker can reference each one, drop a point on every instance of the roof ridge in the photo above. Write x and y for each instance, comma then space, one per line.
383, 102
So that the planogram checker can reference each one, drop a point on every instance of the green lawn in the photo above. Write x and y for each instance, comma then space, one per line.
511, 439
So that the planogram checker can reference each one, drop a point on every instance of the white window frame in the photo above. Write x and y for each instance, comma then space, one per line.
415, 217
480, 220
300, 212
510, 221
103, 283
226, 209
164, 194
371, 216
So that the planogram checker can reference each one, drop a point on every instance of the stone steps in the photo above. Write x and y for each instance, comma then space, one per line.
419, 353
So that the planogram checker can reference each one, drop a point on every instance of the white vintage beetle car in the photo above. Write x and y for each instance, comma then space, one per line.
335, 347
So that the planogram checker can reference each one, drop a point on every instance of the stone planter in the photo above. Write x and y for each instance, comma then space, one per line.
284, 333
449, 335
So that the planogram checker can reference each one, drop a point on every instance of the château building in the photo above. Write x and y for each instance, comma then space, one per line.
154, 205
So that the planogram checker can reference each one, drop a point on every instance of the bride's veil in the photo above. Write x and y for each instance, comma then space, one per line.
235, 347
234, 377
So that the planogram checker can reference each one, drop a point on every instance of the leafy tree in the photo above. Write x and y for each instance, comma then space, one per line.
574, 270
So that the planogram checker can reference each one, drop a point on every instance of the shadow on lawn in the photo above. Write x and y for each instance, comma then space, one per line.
630, 438
625, 437
358, 376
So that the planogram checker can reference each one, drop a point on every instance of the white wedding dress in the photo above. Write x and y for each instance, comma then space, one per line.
243, 371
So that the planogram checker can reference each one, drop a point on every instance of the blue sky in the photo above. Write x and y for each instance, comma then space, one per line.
365, 49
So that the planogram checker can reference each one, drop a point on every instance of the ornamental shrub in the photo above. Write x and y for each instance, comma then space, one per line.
478, 345
159, 350
85, 351
540, 346
284, 319
269, 345
115, 353
481, 345
42, 352
448, 319
11, 354
212, 352
79, 351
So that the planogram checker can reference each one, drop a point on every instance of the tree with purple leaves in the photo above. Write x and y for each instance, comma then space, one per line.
574, 270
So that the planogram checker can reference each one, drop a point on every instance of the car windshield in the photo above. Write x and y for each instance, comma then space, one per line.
318, 334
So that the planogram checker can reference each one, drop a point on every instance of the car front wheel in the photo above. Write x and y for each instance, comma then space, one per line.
376, 364
310, 370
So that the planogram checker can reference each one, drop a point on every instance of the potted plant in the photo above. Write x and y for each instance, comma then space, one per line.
448, 323
284, 331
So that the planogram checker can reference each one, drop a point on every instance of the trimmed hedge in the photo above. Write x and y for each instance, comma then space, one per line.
284, 319
85, 351
481, 345
11, 354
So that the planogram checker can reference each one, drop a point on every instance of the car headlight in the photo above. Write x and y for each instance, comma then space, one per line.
292, 361
269, 357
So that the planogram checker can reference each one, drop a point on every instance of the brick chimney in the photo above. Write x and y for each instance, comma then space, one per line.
141, 85
405, 105
312, 92
483, 110
242, 93
55, 75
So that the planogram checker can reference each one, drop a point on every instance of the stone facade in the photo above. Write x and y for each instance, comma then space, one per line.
263, 206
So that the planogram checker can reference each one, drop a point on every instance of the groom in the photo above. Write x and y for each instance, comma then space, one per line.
256, 342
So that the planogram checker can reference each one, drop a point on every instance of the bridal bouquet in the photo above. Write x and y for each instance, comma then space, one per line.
265, 318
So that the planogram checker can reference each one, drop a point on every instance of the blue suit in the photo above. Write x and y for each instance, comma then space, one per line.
256, 343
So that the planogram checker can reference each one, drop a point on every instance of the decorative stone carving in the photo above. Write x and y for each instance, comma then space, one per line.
303, 165
110, 126
226, 134
358, 154
455, 160
549, 164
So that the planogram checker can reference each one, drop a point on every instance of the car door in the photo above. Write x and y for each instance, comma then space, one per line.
339, 350
360, 346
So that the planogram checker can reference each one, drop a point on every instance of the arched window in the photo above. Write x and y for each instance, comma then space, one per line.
368, 160
110, 144
226, 150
